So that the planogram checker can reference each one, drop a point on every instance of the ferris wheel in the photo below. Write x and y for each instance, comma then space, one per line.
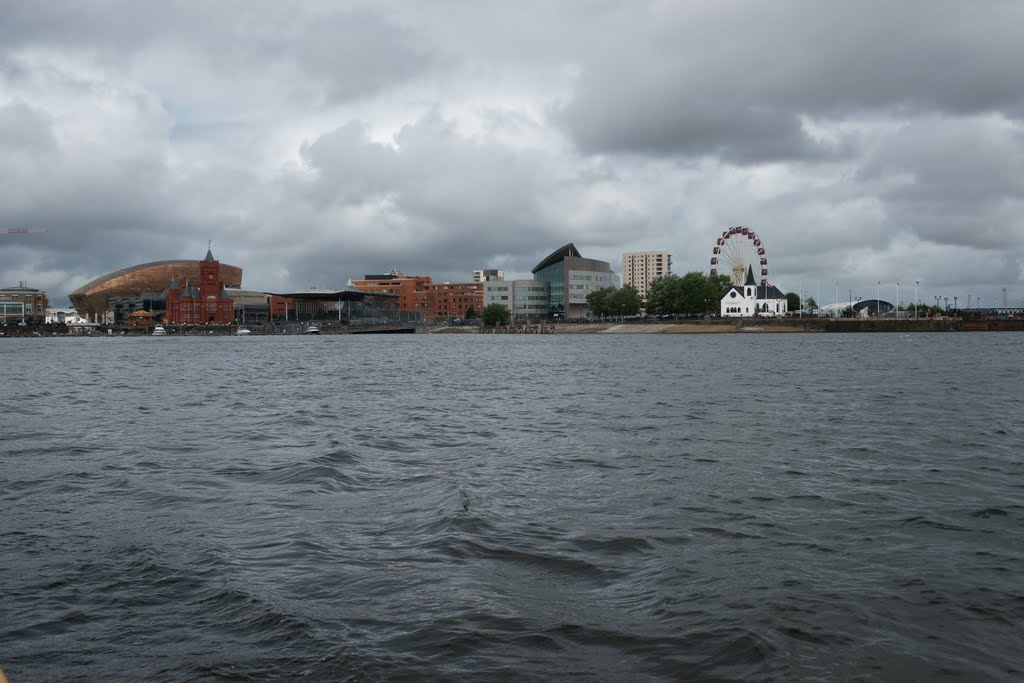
737, 250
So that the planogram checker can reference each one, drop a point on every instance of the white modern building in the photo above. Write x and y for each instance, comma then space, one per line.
488, 274
751, 299
66, 316
525, 299
639, 268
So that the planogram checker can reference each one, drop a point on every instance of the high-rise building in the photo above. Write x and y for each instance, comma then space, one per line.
639, 268
488, 274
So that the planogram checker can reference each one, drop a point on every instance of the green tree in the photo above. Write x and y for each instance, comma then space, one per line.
495, 314
811, 303
626, 301
471, 313
718, 286
609, 301
665, 295
792, 301
692, 294
598, 301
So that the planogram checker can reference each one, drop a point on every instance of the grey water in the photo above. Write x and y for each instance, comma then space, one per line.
589, 507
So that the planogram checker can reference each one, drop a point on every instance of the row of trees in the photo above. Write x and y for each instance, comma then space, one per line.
691, 294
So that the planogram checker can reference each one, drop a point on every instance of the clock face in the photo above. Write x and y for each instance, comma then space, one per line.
210, 276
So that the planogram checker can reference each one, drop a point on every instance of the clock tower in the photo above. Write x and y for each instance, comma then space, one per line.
205, 302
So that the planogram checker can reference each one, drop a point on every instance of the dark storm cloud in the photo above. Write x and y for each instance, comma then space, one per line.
314, 142
954, 182
438, 202
347, 53
734, 79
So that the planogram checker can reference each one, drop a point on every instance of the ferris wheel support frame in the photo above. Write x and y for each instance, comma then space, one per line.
741, 232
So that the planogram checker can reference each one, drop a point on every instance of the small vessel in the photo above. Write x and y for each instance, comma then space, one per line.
312, 329
159, 331
243, 331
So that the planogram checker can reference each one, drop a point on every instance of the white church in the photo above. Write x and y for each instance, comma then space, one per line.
751, 299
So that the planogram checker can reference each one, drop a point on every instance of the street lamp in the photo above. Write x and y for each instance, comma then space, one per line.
947, 302
954, 302
916, 283
897, 299
878, 296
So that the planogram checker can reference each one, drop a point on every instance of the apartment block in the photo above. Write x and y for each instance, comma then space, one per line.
639, 268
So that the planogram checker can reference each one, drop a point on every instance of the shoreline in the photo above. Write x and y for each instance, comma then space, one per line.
774, 326
708, 326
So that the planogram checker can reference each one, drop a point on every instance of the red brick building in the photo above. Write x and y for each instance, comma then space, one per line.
454, 299
281, 307
205, 302
410, 290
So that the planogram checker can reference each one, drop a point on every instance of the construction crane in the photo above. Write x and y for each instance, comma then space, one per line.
21, 231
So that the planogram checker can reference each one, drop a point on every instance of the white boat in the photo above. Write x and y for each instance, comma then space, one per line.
243, 331
159, 331
312, 329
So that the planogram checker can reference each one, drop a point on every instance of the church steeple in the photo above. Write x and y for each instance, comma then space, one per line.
209, 251
751, 282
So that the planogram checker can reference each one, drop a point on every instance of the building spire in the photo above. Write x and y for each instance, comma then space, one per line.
750, 277
209, 250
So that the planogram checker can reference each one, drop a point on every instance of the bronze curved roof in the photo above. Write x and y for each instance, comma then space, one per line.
91, 298
557, 255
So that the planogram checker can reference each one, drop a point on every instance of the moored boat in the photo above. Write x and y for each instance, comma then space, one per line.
159, 331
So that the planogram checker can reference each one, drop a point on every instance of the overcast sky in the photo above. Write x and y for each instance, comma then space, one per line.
314, 142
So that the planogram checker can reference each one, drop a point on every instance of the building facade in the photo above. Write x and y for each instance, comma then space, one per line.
525, 299
488, 274
22, 304
640, 268
202, 303
338, 306
411, 290
140, 287
452, 300
751, 299
63, 316
570, 277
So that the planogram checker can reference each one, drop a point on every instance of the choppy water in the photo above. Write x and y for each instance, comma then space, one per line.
649, 507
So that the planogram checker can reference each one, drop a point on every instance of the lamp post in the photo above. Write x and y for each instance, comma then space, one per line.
947, 302
954, 303
878, 296
897, 299
916, 283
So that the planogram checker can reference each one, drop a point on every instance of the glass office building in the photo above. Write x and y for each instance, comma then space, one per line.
570, 277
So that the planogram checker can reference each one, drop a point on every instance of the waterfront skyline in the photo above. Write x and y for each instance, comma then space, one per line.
865, 144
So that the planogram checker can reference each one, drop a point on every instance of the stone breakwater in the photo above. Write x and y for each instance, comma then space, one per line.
763, 325
781, 325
